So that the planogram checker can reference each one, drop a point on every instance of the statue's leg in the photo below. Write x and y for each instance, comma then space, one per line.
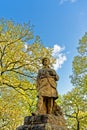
50, 106
41, 105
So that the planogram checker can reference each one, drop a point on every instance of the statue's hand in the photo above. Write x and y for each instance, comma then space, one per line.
52, 73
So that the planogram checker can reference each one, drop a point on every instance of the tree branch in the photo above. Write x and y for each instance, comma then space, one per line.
32, 77
70, 116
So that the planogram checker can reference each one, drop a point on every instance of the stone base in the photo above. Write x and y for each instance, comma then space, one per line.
43, 122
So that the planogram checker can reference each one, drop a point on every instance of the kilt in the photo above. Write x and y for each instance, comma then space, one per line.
46, 87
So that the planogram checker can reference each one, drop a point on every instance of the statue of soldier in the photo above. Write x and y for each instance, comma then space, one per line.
46, 87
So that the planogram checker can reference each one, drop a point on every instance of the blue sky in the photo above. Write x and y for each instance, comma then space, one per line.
58, 22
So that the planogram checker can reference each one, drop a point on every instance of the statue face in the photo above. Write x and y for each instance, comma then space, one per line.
46, 62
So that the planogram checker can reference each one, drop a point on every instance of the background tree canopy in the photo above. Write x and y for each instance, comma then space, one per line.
74, 103
20, 57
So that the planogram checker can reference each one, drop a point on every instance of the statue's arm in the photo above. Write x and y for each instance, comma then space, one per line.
55, 75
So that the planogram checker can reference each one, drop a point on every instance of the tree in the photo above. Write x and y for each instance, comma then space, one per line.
16, 62
13, 107
75, 102
20, 58
74, 107
79, 77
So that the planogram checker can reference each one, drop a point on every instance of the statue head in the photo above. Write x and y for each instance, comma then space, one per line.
46, 61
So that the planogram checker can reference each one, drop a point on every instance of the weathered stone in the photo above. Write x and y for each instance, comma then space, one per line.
23, 127
43, 122
40, 119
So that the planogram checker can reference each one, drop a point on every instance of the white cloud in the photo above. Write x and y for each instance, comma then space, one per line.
57, 49
72, 1
60, 57
57, 53
25, 46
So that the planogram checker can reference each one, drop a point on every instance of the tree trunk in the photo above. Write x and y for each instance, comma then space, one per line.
78, 125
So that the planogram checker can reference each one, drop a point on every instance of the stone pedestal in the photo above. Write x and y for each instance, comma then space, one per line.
43, 122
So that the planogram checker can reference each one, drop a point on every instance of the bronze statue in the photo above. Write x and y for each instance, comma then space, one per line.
49, 115
46, 87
